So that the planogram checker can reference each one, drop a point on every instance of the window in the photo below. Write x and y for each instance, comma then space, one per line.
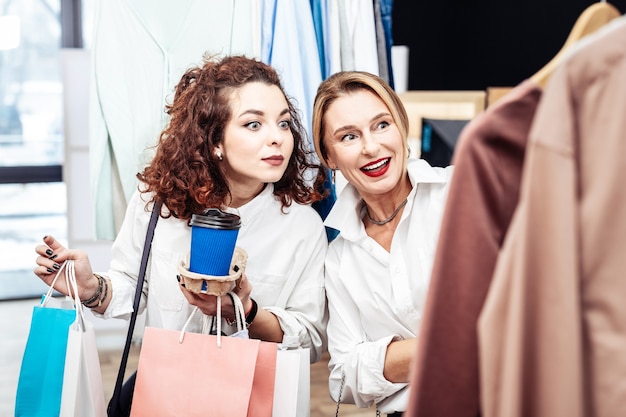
33, 195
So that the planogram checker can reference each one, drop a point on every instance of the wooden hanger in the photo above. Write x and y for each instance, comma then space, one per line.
591, 19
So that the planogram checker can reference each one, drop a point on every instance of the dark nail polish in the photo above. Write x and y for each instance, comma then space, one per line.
53, 257
50, 270
183, 285
49, 252
56, 266
178, 278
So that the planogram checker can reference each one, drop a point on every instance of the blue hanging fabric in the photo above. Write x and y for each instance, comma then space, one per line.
324, 206
318, 24
386, 15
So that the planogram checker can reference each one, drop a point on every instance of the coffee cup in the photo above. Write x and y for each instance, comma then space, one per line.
213, 239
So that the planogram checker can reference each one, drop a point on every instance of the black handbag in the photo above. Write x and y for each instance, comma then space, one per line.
119, 405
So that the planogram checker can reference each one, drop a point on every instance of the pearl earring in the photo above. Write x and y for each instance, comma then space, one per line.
219, 155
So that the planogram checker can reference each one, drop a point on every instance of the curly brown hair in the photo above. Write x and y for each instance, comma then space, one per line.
184, 173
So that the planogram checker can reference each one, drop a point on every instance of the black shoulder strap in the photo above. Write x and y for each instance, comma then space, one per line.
133, 318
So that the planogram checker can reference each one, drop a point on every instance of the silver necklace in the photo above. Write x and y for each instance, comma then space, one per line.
388, 219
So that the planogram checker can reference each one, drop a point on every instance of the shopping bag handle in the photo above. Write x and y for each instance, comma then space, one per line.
72, 285
67, 267
240, 318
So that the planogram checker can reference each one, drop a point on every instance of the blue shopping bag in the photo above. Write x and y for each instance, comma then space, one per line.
40, 381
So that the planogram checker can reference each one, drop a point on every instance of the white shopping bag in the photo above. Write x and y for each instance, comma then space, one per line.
292, 389
82, 394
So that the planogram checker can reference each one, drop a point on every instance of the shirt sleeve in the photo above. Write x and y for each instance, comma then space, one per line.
354, 359
126, 254
301, 309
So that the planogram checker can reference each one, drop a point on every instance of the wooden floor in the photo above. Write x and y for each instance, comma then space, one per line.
15, 322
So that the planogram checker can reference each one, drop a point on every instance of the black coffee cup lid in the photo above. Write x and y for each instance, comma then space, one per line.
216, 219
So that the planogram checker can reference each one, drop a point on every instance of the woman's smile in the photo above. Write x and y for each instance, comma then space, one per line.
376, 168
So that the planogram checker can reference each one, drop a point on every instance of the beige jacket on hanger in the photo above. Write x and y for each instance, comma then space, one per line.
552, 333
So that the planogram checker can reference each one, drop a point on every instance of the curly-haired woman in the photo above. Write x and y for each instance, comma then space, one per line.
234, 140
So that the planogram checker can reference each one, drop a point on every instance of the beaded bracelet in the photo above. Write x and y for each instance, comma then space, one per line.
106, 292
98, 293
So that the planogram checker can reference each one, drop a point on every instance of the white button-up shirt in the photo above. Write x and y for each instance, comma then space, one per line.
374, 296
285, 268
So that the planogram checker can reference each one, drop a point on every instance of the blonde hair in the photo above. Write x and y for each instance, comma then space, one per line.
347, 82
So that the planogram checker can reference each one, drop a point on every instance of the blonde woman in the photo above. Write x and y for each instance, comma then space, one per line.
388, 217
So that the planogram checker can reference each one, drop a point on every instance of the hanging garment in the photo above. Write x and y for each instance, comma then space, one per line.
381, 44
132, 81
290, 46
317, 12
386, 17
358, 36
483, 195
332, 36
552, 331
